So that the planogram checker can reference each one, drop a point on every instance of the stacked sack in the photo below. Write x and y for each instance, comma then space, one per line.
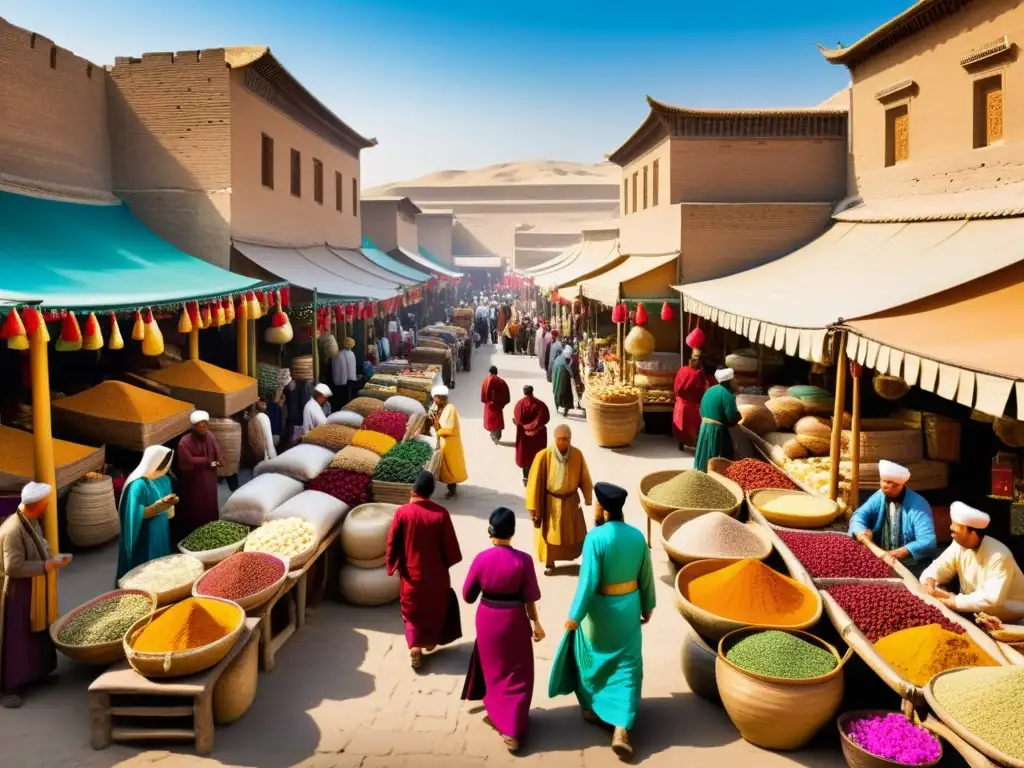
364, 540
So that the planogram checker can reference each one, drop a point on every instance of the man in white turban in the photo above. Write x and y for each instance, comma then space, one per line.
897, 519
991, 581
313, 414
718, 412
445, 420
199, 456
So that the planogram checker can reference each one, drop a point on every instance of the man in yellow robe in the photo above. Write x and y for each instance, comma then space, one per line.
449, 439
558, 475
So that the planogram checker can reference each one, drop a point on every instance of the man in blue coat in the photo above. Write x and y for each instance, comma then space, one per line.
897, 520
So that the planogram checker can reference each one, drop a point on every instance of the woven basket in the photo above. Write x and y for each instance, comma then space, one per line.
124, 434
212, 556
229, 435
168, 596
659, 512
235, 691
613, 424
941, 437
92, 512
672, 523
856, 757
217, 404
302, 368
256, 599
101, 654
180, 663
391, 493
928, 474
899, 445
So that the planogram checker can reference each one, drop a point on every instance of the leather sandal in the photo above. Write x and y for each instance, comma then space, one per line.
416, 658
621, 745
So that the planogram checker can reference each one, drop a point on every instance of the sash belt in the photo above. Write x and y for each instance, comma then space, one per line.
711, 421
563, 495
622, 588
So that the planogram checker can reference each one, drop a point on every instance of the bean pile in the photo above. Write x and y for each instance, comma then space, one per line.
241, 575
163, 574
895, 738
834, 556
881, 609
781, 655
334, 437
693, 489
753, 475
364, 406
716, 535
355, 459
353, 488
987, 702
375, 442
288, 537
219, 533
104, 622
390, 423
392, 470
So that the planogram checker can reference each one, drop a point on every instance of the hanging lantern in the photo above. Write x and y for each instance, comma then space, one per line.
116, 341
695, 339
641, 314
280, 330
229, 310
70, 334
139, 327
619, 314
218, 314
207, 316
666, 312
184, 322
261, 298
153, 339
92, 336
350, 312
34, 322
13, 330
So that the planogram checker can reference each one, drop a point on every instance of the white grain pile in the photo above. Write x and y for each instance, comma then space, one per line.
716, 535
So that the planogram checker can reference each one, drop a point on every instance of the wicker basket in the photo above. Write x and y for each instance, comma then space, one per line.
756, 500
92, 512
101, 654
180, 663
256, 599
391, 493
168, 596
941, 437
774, 713
672, 523
856, 757
613, 425
229, 435
302, 368
235, 691
899, 445
658, 512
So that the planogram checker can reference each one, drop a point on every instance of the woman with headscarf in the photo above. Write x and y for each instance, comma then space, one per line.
718, 413
147, 505
554, 352
561, 381
501, 667
531, 417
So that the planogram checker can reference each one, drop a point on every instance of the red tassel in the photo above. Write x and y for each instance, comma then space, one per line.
339, 313
13, 326
207, 316
193, 313
272, 299
618, 314
641, 314
278, 319
69, 330
148, 317
666, 311
286, 297
350, 312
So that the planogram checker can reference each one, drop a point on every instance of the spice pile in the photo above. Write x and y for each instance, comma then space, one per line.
376, 442
241, 575
881, 609
286, 538
334, 437
716, 535
918, 654
895, 738
834, 556
692, 489
749, 591
219, 533
403, 462
104, 622
797, 504
390, 423
988, 703
353, 488
163, 574
190, 624
118, 401
781, 655
204, 377
364, 406
753, 475
354, 459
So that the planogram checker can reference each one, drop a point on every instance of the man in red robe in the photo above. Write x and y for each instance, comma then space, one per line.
198, 458
494, 395
690, 385
422, 546
531, 417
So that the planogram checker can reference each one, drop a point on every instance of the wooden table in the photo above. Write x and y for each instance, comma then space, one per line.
121, 701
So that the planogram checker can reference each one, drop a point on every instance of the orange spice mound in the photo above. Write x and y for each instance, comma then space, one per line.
122, 402
192, 623
195, 374
749, 591
920, 653
17, 451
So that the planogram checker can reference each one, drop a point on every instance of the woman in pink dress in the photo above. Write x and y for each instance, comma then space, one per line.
501, 668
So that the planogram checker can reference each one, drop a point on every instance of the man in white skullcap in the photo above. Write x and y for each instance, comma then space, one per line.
449, 439
199, 456
313, 414
991, 581
718, 412
897, 519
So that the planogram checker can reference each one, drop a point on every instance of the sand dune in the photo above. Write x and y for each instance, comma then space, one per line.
840, 100
523, 172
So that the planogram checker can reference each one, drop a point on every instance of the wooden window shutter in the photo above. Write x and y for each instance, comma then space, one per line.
994, 115
901, 131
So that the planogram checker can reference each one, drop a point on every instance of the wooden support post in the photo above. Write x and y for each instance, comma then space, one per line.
316, 335
193, 344
44, 470
855, 373
835, 449
252, 348
242, 338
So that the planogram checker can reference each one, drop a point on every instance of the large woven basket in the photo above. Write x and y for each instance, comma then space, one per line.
856, 756
302, 368
613, 425
899, 445
235, 691
100, 654
180, 663
229, 435
92, 512
941, 437
680, 557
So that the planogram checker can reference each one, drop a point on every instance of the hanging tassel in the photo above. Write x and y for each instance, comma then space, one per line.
139, 328
207, 316
184, 323
192, 307
286, 297
273, 299
280, 330
70, 334
116, 341
252, 307
229, 310
241, 311
92, 336
218, 314
261, 297
14, 331
153, 339
641, 314
339, 313
617, 314
666, 312
34, 323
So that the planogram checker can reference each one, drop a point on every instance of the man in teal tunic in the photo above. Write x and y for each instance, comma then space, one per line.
718, 412
146, 507
600, 658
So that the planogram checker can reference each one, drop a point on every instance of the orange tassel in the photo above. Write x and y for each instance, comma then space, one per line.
242, 310
139, 329
218, 313
116, 340
70, 334
207, 316
92, 336
229, 310
253, 307
12, 327
34, 323
184, 322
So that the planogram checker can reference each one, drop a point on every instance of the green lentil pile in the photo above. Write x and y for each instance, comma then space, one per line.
104, 622
413, 451
987, 701
693, 489
219, 533
403, 462
781, 655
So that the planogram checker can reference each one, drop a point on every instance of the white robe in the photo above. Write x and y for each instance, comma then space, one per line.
263, 424
312, 415
990, 580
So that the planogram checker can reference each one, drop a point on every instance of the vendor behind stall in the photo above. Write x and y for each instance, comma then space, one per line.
897, 519
991, 581
718, 412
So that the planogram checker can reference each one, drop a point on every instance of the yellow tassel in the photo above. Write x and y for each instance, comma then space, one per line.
116, 341
229, 310
92, 336
18, 343
243, 311
206, 316
139, 329
253, 308
184, 323
218, 315
153, 339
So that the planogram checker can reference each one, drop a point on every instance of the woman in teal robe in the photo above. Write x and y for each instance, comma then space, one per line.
145, 511
718, 412
600, 658
561, 381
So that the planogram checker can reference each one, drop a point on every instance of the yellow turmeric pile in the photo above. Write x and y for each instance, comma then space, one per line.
190, 624
16, 452
204, 377
377, 442
918, 654
749, 591
122, 402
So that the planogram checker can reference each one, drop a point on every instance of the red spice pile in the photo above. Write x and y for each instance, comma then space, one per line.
834, 556
390, 423
241, 575
353, 488
753, 475
879, 610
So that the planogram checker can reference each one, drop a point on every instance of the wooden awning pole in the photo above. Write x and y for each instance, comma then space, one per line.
855, 373
242, 337
316, 338
44, 469
193, 344
835, 449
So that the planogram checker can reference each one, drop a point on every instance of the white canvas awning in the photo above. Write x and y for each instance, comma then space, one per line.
606, 286
422, 262
592, 258
477, 262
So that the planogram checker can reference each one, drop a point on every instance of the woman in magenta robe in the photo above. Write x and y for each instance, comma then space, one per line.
422, 546
198, 458
690, 385
494, 395
531, 417
501, 667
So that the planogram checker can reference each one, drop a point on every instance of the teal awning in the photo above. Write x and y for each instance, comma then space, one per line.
59, 254
436, 263
381, 259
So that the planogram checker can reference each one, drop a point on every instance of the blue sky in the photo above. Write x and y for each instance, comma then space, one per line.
460, 84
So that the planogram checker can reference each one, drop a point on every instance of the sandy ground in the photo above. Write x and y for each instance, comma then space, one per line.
343, 694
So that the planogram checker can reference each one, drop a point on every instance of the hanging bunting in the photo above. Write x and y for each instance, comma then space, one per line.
152, 339
184, 322
70, 334
666, 312
13, 331
229, 310
207, 315
286, 297
92, 336
139, 327
218, 313
350, 312
116, 341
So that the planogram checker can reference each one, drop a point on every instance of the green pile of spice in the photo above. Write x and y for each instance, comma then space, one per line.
413, 451
987, 701
219, 533
106, 621
693, 489
781, 655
